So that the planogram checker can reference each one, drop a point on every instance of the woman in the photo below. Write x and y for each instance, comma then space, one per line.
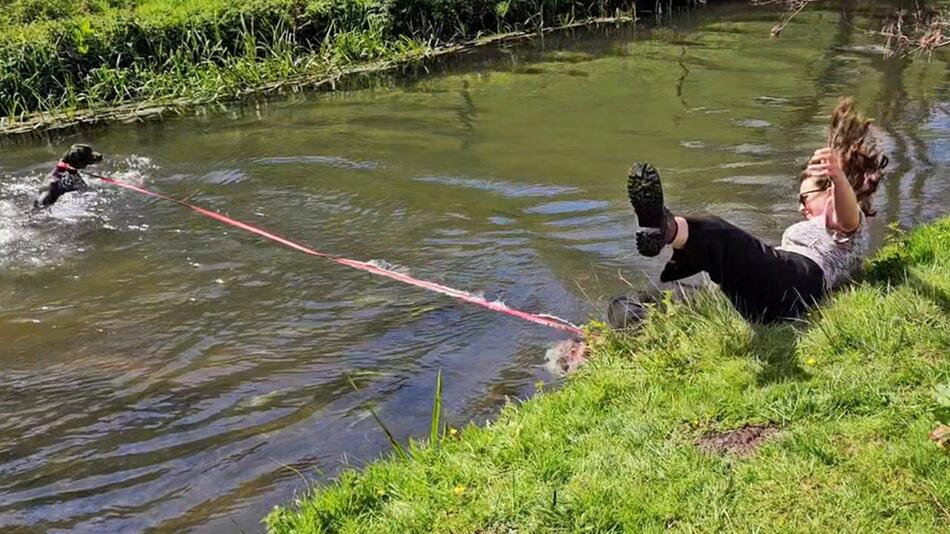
767, 283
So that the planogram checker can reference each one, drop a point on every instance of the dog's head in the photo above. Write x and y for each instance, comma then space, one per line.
80, 156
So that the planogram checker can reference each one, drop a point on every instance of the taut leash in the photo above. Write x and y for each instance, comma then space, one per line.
541, 319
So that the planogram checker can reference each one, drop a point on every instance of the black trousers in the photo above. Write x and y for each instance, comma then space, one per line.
764, 284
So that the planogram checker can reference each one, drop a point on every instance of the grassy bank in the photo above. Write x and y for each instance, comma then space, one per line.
847, 398
62, 55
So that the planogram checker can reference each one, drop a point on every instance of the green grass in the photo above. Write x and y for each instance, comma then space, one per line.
58, 55
852, 388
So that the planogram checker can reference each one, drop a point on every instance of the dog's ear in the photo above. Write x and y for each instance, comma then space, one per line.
70, 156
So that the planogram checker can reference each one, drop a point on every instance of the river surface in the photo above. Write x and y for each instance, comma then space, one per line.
160, 372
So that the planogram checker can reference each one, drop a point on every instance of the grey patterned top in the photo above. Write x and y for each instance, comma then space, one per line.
839, 255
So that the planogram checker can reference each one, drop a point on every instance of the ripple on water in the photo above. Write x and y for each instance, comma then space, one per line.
751, 149
770, 179
594, 234
773, 100
567, 206
329, 161
740, 164
502, 221
583, 220
503, 188
224, 177
753, 123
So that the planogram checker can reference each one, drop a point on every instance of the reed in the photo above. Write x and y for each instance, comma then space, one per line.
59, 55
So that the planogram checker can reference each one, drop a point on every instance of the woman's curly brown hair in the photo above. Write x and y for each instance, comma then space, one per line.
861, 160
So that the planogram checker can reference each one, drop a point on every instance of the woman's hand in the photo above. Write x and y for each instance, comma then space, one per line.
826, 164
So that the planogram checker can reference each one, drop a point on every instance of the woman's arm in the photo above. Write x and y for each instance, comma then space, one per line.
826, 163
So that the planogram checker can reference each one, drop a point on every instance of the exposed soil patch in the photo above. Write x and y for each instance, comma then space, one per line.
941, 435
742, 442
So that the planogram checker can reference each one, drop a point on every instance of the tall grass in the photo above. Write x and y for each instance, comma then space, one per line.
61, 54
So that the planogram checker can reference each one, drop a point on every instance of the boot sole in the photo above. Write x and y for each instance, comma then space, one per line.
646, 196
650, 241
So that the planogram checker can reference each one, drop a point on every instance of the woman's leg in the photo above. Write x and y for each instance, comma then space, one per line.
764, 284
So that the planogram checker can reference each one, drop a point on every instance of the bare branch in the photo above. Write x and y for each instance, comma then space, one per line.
905, 33
920, 32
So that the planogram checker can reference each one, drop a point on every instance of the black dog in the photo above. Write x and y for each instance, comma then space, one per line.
65, 177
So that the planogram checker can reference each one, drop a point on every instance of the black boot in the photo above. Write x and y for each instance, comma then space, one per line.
657, 224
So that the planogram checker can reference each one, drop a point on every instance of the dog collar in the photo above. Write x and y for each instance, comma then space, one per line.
63, 166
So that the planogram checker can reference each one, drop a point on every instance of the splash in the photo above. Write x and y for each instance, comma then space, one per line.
391, 267
565, 357
134, 169
31, 240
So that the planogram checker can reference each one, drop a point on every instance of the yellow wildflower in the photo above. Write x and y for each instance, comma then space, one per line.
459, 490
811, 361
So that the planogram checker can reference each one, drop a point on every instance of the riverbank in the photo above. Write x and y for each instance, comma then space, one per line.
701, 421
71, 64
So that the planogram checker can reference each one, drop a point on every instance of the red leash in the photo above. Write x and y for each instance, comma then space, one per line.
541, 319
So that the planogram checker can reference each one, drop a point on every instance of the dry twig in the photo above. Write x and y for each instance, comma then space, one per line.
920, 32
906, 33
794, 7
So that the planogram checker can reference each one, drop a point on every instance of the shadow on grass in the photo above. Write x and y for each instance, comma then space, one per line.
775, 346
895, 269
926, 289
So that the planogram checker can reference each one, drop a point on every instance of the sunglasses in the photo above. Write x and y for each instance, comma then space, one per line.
802, 198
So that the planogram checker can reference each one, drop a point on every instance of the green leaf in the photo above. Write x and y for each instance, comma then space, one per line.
397, 447
501, 9
400, 450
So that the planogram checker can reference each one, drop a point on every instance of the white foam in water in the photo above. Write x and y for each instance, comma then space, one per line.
391, 267
553, 357
136, 168
46, 238
561, 358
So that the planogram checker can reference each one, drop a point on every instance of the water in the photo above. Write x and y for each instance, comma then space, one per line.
161, 372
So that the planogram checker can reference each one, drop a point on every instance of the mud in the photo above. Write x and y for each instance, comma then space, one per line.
742, 442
